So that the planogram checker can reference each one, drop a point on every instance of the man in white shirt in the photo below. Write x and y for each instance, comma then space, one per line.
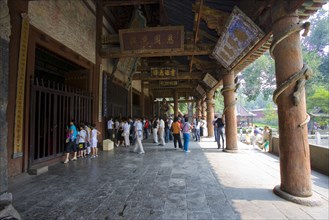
155, 130
126, 131
110, 128
161, 132
139, 136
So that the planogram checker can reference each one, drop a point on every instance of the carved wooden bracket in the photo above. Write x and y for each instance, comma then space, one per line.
215, 19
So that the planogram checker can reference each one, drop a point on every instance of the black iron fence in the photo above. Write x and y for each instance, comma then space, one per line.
53, 105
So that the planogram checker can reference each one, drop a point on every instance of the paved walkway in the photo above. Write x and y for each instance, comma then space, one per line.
164, 184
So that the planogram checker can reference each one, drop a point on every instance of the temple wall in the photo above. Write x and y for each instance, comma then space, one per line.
68, 21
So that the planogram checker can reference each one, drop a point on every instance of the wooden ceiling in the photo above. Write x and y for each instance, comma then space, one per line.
203, 22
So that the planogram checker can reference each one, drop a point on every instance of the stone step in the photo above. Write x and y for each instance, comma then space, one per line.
37, 170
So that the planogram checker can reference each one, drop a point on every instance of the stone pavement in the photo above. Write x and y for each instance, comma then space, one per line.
164, 184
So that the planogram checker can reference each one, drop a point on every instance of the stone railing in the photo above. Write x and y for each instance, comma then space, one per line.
319, 155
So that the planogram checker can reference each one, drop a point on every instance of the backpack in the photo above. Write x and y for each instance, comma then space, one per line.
146, 124
219, 123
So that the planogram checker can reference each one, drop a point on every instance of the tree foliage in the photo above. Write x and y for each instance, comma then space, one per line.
219, 102
318, 40
319, 99
258, 78
270, 115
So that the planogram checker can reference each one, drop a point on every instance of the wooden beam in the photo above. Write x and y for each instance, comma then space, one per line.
112, 3
296, 4
208, 36
111, 53
110, 39
196, 28
163, 14
180, 76
181, 85
183, 101
168, 93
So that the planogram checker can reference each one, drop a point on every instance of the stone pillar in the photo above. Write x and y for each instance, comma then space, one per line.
295, 166
6, 208
4, 63
210, 113
176, 104
230, 113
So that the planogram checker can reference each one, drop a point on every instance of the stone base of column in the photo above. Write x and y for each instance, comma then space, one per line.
231, 151
313, 200
7, 211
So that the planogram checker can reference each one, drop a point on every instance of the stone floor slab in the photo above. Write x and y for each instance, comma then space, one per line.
164, 184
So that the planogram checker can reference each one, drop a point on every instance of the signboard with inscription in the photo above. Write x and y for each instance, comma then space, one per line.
239, 37
139, 40
168, 83
164, 72
200, 90
209, 80
20, 89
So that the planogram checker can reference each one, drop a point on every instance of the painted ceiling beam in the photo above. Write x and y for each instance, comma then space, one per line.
111, 53
180, 76
112, 3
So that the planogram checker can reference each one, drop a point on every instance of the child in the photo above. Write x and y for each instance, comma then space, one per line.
248, 139
88, 139
266, 139
82, 141
94, 134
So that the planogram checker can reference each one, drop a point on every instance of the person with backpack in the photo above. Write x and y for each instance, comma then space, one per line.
146, 127
71, 143
219, 124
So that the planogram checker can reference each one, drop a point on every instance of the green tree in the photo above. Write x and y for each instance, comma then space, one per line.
270, 115
258, 78
324, 70
183, 107
219, 102
320, 99
318, 39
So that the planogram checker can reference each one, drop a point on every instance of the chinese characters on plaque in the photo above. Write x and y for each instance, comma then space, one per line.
168, 83
164, 72
160, 39
239, 36
210, 80
200, 90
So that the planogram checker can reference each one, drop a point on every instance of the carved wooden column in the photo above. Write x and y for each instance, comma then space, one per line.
210, 113
175, 103
97, 84
198, 108
130, 102
230, 113
295, 166
142, 101
203, 108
